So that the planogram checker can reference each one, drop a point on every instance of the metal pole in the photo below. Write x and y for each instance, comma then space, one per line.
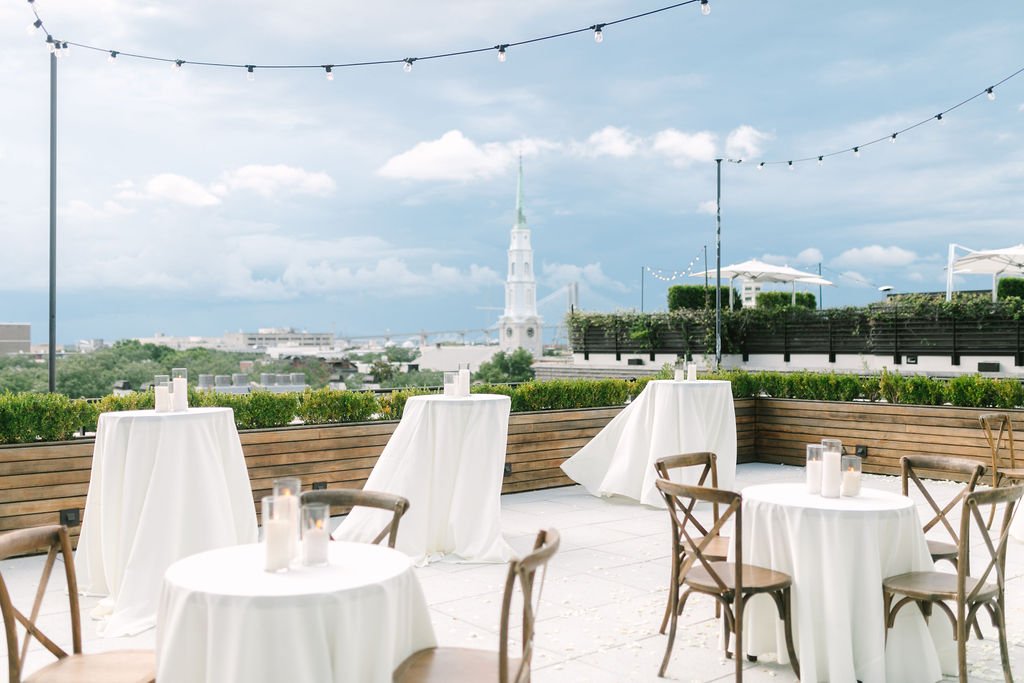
705, 266
718, 267
819, 287
53, 224
642, 268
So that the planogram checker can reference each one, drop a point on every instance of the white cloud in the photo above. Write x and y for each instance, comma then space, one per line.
611, 141
177, 188
745, 142
684, 148
270, 181
453, 156
559, 274
875, 256
809, 255
710, 207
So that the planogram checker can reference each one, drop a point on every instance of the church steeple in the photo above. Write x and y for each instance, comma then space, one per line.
520, 326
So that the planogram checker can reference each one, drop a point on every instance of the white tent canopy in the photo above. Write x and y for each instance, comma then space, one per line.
759, 271
994, 262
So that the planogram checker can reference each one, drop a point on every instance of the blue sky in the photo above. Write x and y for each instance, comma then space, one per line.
199, 203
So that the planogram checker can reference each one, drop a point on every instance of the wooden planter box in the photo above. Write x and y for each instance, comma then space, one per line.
37, 481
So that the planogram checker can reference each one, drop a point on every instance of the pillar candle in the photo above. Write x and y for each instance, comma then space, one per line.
680, 374
691, 372
162, 399
276, 533
314, 546
464, 380
830, 474
179, 397
813, 476
851, 482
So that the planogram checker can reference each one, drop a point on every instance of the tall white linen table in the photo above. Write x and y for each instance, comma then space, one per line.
838, 550
667, 418
447, 456
163, 486
223, 618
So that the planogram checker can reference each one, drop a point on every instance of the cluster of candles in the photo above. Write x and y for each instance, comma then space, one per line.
457, 383
829, 472
292, 532
171, 391
689, 374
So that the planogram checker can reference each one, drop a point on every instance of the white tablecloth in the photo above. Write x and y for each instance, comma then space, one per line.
667, 418
447, 456
838, 550
163, 486
223, 618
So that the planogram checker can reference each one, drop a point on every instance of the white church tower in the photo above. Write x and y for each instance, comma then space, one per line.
520, 326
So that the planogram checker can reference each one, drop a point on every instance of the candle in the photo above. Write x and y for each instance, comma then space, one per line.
691, 372
451, 380
464, 379
680, 375
851, 482
830, 474
314, 545
289, 504
179, 394
814, 476
276, 533
163, 398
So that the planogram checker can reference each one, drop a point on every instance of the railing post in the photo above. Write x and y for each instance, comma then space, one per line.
956, 355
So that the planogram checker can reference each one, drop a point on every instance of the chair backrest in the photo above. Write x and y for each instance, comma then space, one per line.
680, 500
346, 499
972, 519
705, 459
53, 539
998, 427
912, 465
525, 570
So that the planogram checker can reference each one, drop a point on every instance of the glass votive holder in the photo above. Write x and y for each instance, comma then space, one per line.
315, 534
179, 373
162, 396
287, 490
813, 467
679, 373
851, 475
157, 379
277, 529
831, 472
451, 383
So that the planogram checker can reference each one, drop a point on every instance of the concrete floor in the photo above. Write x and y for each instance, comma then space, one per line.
602, 599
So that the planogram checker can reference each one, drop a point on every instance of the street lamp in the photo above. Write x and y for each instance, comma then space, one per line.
897, 359
718, 261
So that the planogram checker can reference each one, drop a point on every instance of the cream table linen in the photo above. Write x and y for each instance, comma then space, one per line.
223, 618
667, 418
163, 486
447, 456
838, 550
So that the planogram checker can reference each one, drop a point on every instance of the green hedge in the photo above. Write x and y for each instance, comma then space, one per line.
29, 417
694, 297
1010, 286
776, 300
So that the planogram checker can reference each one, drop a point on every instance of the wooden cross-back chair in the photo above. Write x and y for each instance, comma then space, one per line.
454, 664
346, 499
998, 429
718, 547
108, 667
970, 594
731, 584
971, 471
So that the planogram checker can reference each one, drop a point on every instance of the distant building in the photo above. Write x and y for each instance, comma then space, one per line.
15, 338
267, 337
520, 326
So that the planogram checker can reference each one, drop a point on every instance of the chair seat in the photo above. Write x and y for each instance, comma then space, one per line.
935, 586
119, 666
941, 550
1017, 473
444, 664
755, 579
717, 549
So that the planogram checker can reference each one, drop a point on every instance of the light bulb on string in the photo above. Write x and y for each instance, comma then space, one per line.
112, 57
705, 7
856, 152
329, 72
760, 166
598, 33
821, 160
790, 165
892, 138
502, 56
991, 94
250, 72
176, 67
938, 117
31, 28
407, 64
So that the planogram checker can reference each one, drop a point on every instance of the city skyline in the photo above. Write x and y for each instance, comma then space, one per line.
200, 203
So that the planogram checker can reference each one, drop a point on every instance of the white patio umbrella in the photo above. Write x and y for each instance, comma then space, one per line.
759, 271
994, 262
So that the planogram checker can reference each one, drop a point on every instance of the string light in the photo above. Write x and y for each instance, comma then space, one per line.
991, 94
31, 28
856, 152
790, 165
938, 117
821, 160
112, 57
501, 53
760, 166
250, 74
669, 276
405, 62
705, 7
330, 74
176, 67
893, 137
